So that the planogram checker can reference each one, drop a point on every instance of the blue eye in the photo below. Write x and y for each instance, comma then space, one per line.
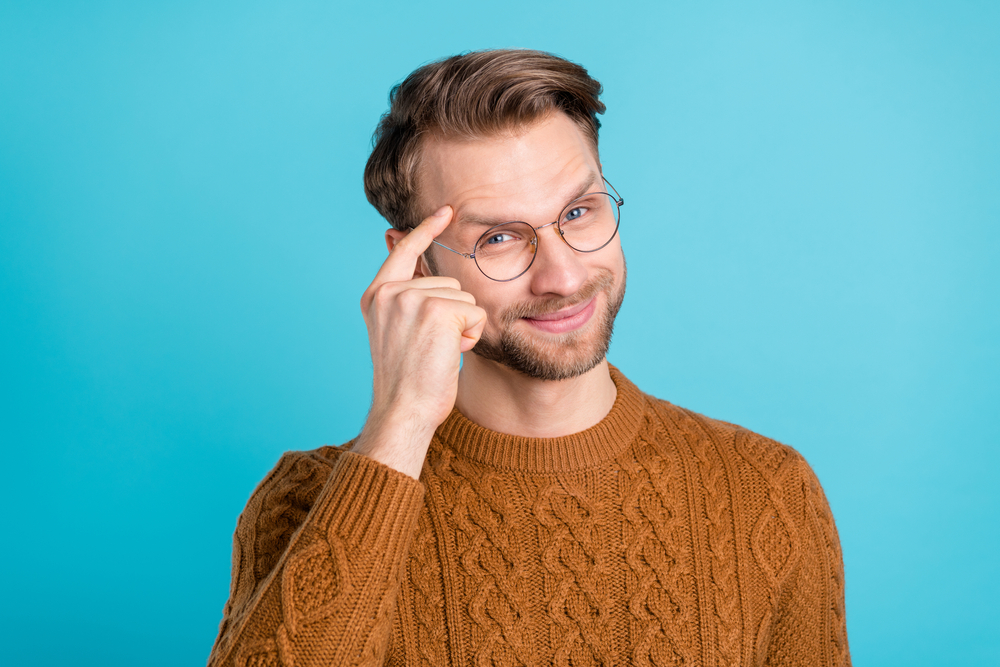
498, 238
574, 213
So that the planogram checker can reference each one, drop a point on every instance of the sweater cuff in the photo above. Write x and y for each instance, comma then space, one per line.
370, 505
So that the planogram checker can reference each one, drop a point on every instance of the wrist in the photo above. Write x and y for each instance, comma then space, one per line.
397, 441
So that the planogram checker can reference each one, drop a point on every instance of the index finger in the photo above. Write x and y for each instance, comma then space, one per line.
402, 261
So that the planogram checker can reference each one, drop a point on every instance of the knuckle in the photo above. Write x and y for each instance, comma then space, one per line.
381, 295
410, 299
368, 299
410, 295
434, 307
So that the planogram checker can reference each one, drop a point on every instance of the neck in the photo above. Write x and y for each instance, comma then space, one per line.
506, 401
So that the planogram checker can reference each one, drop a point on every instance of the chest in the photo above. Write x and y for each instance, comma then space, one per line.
636, 562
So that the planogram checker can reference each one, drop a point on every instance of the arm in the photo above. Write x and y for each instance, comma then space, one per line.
810, 625
323, 591
317, 557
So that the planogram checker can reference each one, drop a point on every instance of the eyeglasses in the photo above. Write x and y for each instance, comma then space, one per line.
506, 251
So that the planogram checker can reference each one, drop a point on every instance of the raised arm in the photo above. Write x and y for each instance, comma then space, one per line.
317, 562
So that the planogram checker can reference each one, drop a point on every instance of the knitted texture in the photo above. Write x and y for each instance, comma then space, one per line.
656, 537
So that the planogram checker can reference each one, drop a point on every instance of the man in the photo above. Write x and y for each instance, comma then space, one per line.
528, 506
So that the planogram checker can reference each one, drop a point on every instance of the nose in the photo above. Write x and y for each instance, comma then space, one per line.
557, 269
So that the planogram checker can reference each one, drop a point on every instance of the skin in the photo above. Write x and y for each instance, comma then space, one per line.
420, 325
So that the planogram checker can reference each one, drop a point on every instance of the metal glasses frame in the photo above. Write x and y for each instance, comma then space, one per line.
472, 255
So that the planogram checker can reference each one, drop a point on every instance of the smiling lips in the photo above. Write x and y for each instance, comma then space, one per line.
567, 319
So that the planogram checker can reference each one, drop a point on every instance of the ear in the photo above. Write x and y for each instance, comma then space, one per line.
394, 236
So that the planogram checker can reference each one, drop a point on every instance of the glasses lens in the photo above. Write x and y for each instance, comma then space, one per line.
590, 222
506, 251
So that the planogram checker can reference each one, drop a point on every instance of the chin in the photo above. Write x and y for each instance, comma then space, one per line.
544, 360
554, 357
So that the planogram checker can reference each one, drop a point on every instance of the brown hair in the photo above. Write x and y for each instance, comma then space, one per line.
477, 94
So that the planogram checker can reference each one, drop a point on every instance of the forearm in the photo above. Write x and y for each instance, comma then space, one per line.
330, 597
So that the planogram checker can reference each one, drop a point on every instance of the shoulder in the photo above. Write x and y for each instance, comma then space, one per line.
726, 437
766, 481
297, 477
749, 458
281, 501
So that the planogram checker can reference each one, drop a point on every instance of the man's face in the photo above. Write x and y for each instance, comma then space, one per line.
555, 321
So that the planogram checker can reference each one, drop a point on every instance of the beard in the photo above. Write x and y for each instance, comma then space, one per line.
574, 353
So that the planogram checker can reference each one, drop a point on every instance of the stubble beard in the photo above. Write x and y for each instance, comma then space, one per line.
574, 353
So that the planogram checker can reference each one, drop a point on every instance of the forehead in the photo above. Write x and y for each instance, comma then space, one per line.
509, 174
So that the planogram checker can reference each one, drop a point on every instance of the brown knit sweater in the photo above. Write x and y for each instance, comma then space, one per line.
656, 537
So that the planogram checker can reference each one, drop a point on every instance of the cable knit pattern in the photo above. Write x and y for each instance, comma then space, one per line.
572, 555
660, 586
834, 567
724, 594
657, 537
491, 562
428, 598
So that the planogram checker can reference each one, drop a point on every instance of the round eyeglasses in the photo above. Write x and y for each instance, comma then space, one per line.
506, 251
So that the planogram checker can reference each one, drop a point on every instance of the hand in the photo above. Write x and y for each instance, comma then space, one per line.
417, 329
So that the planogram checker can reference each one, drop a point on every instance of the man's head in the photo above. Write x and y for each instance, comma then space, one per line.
471, 96
501, 136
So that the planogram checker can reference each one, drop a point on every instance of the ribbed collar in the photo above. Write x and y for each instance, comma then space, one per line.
585, 449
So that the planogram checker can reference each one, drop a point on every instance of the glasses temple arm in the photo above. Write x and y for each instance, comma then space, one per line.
463, 254
618, 197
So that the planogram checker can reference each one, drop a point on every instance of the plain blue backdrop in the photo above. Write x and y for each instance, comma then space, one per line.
811, 226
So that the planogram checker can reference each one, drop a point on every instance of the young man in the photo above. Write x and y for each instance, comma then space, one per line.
530, 506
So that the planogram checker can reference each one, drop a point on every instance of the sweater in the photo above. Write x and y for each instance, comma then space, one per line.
656, 537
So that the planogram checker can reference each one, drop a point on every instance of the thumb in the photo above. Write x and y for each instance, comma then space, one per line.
472, 335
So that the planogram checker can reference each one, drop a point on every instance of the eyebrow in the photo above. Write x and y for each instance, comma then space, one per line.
486, 221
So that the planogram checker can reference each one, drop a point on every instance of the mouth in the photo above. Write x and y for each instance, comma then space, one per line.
567, 319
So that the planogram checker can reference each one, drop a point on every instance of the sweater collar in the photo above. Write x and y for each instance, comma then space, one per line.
578, 451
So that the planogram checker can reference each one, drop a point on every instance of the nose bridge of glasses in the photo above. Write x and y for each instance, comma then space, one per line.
558, 229
558, 233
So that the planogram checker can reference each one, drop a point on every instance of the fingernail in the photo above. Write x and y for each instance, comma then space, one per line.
441, 212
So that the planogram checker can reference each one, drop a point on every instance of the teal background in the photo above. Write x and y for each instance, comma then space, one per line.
811, 228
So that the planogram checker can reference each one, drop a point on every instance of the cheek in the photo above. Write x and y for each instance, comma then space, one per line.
490, 302
469, 276
447, 263
618, 261
609, 259
496, 300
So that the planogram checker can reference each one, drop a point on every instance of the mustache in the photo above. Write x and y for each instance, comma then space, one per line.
532, 309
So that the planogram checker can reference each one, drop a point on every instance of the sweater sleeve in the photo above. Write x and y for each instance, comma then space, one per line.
810, 625
317, 558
